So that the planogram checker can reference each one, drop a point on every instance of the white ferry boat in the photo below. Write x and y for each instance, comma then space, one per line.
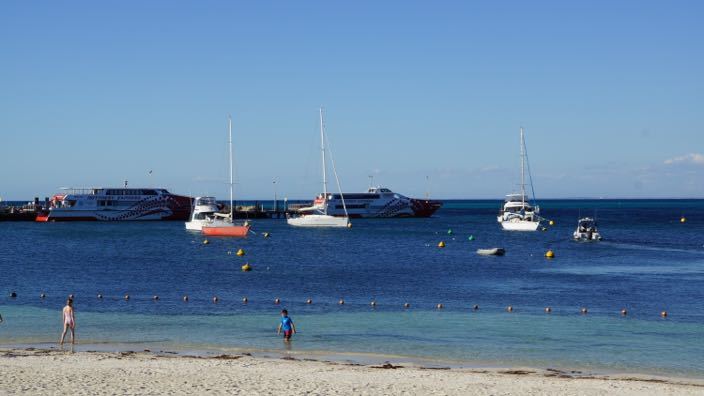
376, 202
116, 204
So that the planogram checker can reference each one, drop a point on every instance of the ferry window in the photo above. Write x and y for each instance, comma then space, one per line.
148, 192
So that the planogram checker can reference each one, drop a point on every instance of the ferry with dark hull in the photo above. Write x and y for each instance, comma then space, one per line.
376, 202
116, 204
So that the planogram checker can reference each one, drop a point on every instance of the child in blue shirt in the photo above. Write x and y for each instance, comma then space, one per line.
286, 325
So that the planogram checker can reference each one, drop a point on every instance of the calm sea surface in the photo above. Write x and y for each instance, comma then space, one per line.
648, 262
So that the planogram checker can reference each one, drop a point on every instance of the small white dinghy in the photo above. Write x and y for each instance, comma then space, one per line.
491, 252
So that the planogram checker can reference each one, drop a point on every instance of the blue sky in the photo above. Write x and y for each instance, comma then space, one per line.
610, 93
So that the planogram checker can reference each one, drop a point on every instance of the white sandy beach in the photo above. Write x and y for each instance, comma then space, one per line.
91, 373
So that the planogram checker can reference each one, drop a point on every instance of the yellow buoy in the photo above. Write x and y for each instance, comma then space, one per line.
551, 222
683, 219
550, 254
240, 252
441, 244
246, 267
205, 242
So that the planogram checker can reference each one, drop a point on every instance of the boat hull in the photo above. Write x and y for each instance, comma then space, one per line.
226, 231
520, 225
318, 221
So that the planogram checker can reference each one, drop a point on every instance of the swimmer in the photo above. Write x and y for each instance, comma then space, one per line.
287, 325
69, 322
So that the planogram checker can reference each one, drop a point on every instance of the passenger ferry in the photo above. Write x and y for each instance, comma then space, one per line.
376, 202
116, 204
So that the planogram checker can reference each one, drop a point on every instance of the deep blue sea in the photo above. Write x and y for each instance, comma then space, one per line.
648, 262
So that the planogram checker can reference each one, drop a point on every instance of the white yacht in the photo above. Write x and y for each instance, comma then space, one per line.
586, 230
517, 213
317, 215
203, 213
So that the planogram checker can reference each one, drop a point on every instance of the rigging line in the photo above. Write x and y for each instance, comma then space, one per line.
530, 174
337, 179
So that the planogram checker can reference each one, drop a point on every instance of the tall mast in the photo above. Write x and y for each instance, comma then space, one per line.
523, 161
322, 150
229, 130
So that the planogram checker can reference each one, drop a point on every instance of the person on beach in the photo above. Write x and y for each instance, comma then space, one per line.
286, 325
69, 322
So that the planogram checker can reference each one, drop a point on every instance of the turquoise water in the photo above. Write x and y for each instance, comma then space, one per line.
648, 262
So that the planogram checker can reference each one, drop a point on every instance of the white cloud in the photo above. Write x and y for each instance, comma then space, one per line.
690, 159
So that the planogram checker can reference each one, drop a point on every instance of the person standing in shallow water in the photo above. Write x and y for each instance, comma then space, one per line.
287, 326
69, 322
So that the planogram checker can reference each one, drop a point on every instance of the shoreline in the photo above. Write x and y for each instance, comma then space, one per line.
342, 357
92, 372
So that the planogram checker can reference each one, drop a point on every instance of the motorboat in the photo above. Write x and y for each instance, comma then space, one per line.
586, 230
517, 213
318, 215
491, 252
223, 224
203, 213
115, 204
377, 202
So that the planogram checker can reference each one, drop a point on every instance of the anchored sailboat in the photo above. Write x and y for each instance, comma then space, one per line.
223, 224
517, 213
317, 215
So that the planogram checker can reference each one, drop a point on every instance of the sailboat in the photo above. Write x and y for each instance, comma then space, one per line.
517, 213
223, 224
317, 215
